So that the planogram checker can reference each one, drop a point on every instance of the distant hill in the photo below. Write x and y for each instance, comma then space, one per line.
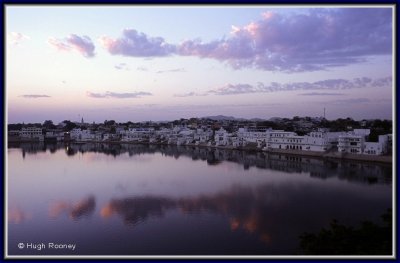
221, 118
275, 119
257, 119
230, 118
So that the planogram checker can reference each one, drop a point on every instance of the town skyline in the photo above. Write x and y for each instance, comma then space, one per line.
246, 62
214, 117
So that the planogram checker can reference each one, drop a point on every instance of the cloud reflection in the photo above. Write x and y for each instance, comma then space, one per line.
242, 205
77, 210
262, 210
17, 216
137, 209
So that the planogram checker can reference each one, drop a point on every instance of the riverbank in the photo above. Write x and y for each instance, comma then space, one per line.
336, 155
324, 155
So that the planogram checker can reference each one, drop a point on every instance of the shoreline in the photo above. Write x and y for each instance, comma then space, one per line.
323, 155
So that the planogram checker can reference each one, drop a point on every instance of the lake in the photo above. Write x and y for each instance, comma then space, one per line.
111, 199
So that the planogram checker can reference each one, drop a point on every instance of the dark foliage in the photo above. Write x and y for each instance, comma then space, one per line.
367, 239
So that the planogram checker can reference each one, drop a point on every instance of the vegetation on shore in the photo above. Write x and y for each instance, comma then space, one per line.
366, 239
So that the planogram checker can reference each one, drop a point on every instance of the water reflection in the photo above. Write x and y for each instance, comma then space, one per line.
263, 210
16, 215
366, 239
317, 168
140, 199
136, 210
77, 210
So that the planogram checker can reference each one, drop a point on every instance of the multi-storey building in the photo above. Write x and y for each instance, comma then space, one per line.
32, 133
277, 139
351, 143
377, 148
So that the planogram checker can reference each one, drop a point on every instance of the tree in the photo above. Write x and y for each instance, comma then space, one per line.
48, 124
69, 125
367, 239
109, 123
15, 127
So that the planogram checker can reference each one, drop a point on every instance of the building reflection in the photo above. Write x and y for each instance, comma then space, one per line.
361, 172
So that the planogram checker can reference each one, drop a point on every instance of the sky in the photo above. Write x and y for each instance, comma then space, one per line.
142, 63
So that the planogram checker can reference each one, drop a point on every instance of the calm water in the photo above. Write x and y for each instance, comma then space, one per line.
159, 200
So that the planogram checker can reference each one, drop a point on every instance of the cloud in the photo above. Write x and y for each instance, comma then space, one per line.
117, 95
16, 38
137, 44
58, 44
141, 69
348, 101
317, 39
190, 94
121, 66
324, 85
83, 45
321, 94
34, 96
230, 89
171, 70
320, 39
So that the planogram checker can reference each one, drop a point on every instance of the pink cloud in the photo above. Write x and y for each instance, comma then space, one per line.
323, 85
136, 44
302, 42
16, 38
117, 95
319, 39
83, 45
58, 44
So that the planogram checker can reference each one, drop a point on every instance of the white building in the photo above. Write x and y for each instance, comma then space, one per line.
322, 140
377, 148
74, 133
137, 134
355, 142
361, 132
252, 135
82, 135
295, 142
221, 137
277, 139
57, 135
201, 136
236, 141
32, 133
317, 141
351, 143
163, 133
